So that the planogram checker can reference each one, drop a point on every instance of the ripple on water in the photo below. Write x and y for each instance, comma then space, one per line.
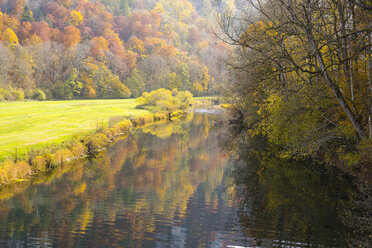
171, 190
209, 110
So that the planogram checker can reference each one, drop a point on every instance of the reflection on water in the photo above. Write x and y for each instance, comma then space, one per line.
294, 204
164, 186
173, 185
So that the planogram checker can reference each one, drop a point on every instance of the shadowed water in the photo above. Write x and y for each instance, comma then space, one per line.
174, 185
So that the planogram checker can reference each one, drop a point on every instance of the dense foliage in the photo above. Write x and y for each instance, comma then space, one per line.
303, 74
165, 100
80, 49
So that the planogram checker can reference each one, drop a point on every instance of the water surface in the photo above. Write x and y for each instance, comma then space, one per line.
187, 183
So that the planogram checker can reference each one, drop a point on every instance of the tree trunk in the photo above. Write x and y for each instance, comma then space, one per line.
351, 82
308, 29
351, 78
336, 90
370, 88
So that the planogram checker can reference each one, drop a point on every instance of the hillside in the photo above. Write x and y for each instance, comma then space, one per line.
104, 49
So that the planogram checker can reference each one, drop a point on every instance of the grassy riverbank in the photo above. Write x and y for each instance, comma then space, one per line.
35, 125
49, 157
38, 136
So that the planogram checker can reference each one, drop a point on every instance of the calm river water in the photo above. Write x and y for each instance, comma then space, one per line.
189, 183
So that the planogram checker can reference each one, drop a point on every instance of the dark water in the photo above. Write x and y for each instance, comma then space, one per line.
189, 183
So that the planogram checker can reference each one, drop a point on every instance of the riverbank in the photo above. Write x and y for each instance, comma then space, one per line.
41, 160
184, 173
38, 136
26, 126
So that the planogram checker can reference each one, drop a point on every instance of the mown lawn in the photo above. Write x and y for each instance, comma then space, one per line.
29, 125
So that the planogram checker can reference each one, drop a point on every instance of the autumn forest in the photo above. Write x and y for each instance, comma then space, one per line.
69, 49
185, 123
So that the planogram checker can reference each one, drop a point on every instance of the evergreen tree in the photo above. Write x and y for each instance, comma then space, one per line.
124, 7
27, 15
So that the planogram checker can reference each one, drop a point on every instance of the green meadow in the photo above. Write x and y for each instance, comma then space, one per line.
33, 125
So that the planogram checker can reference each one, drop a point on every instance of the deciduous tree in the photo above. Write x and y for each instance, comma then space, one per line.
71, 36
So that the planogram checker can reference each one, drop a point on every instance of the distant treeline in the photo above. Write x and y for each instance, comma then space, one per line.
68, 49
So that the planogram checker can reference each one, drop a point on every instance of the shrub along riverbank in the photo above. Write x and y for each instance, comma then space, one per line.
77, 146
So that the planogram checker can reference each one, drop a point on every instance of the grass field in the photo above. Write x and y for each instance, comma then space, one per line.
33, 125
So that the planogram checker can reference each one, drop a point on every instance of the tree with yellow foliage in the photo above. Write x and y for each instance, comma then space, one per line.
159, 7
306, 67
136, 45
197, 88
34, 40
76, 18
205, 78
9, 37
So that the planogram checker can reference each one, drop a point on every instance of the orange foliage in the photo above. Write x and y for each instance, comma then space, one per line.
71, 36
57, 14
131, 59
24, 31
9, 22
115, 44
42, 30
90, 9
140, 24
167, 51
55, 35
99, 47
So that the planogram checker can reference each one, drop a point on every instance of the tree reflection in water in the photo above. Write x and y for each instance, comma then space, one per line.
170, 185
288, 203
159, 187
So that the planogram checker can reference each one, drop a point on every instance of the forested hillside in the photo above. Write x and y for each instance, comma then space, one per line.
68, 49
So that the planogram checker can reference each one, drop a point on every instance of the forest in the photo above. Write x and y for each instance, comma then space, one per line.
80, 49
302, 76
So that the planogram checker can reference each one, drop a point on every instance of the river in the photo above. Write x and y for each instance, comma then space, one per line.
193, 182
